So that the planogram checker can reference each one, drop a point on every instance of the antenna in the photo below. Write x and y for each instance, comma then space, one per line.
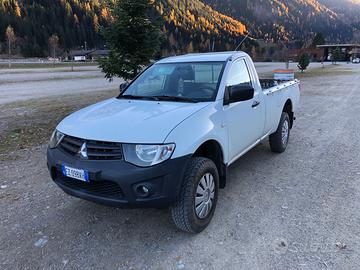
245, 38
241, 43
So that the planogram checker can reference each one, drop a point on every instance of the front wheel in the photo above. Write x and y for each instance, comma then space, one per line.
279, 140
198, 196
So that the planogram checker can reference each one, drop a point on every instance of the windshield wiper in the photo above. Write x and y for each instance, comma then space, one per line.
138, 97
176, 98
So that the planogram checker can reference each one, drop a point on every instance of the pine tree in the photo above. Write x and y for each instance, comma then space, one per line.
304, 62
335, 55
133, 39
318, 40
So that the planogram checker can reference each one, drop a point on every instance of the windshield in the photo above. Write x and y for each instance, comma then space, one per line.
192, 82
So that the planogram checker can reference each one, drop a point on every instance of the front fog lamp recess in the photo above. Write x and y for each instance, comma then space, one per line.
148, 155
143, 191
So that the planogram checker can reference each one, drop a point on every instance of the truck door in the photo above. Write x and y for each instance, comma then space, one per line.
245, 119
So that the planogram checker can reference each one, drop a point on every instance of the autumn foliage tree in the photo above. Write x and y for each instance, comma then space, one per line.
35, 21
132, 38
10, 38
54, 44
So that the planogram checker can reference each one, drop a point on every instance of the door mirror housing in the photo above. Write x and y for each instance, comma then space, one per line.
237, 93
123, 86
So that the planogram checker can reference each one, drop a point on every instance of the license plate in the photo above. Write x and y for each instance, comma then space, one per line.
77, 174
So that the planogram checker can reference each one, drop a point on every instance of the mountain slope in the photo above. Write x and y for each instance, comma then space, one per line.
189, 25
193, 26
288, 20
34, 21
347, 10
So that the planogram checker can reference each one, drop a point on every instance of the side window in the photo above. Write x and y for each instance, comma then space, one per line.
207, 73
238, 74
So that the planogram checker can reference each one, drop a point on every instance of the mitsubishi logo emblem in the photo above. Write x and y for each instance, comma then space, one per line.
83, 151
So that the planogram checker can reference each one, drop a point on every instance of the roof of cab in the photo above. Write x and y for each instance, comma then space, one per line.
202, 57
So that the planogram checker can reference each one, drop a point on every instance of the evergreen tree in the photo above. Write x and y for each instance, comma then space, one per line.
132, 38
318, 40
335, 55
304, 62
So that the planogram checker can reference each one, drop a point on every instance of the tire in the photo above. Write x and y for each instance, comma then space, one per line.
278, 142
184, 212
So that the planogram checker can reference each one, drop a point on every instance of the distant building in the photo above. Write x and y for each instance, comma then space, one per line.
98, 54
87, 55
348, 51
315, 54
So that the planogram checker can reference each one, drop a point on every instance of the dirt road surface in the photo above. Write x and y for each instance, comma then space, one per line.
25, 84
297, 210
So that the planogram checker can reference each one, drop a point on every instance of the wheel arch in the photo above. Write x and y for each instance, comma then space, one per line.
213, 150
288, 108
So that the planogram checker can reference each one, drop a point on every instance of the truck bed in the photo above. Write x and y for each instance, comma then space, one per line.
270, 83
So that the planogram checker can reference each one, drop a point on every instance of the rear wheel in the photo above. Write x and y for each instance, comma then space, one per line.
279, 140
198, 197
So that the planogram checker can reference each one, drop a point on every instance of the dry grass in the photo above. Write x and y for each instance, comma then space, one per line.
30, 123
333, 70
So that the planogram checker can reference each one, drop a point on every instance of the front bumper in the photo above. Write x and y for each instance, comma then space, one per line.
118, 183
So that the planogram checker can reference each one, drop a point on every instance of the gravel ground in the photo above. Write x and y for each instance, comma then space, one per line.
45, 82
297, 210
40, 83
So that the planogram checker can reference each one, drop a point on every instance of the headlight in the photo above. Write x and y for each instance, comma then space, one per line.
147, 155
55, 139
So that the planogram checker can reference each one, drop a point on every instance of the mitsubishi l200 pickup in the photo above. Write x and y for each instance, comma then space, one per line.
169, 137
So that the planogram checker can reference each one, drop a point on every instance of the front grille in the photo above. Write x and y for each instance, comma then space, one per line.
100, 188
96, 150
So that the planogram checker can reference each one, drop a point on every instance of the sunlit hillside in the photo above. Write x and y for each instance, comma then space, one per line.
285, 19
189, 25
193, 26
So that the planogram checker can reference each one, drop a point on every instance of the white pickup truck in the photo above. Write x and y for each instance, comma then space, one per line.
168, 138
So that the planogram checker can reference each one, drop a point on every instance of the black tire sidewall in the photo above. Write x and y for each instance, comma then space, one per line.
276, 143
285, 117
201, 224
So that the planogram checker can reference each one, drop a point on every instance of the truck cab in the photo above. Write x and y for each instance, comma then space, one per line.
168, 138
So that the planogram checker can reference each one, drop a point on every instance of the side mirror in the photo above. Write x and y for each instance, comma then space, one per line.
237, 93
123, 86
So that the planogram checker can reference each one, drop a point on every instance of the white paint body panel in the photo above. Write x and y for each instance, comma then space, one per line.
128, 121
236, 127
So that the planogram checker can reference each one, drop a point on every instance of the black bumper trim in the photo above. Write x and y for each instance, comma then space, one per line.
163, 180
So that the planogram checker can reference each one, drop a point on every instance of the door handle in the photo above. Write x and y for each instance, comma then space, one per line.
255, 104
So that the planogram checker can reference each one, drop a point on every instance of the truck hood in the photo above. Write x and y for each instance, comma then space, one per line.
128, 121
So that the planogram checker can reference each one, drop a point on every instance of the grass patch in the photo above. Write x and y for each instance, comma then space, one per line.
327, 71
30, 123
333, 70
